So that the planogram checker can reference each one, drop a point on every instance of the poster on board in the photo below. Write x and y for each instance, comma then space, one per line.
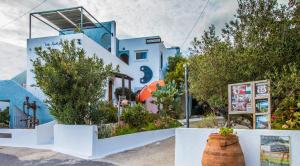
262, 121
241, 97
274, 151
261, 89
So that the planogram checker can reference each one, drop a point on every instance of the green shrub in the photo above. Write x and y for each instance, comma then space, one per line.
128, 93
286, 97
105, 131
135, 116
166, 122
4, 116
209, 121
105, 113
126, 129
225, 131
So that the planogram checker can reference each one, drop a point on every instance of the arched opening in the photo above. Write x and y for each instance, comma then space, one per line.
125, 58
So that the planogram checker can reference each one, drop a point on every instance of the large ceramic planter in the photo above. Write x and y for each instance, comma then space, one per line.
223, 151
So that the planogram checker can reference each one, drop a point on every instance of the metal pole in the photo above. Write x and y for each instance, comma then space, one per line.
81, 19
29, 26
186, 96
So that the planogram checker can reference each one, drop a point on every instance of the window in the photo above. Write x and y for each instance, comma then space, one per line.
139, 55
161, 61
125, 58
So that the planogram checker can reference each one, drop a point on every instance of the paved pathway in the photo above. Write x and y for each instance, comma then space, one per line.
158, 154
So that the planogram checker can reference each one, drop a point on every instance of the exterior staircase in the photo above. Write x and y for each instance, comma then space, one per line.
15, 94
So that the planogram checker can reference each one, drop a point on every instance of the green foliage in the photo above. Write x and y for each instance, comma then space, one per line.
4, 116
209, 121
73, 82
165, 122
105, 131
135, 116
128, 93
175, 70
159, 123
127, 129
225, 131
137, 119
164, 97
261, 39
106, 112
285, 87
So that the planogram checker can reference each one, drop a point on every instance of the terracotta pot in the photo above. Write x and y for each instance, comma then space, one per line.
223, 151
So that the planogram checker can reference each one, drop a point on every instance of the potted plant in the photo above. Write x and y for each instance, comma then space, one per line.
223, 148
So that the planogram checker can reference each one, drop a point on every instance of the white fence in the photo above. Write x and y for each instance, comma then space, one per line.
42, 134
190, 144
79, 140
107, 146
82, 141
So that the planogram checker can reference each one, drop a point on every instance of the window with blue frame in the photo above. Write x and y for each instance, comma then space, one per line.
140, 55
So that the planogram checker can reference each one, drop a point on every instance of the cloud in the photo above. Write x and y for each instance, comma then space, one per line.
12, 60
170, 19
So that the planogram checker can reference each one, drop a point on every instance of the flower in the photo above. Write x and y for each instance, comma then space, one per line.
273, 117
285, 126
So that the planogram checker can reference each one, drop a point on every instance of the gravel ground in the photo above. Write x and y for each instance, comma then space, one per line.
156, 154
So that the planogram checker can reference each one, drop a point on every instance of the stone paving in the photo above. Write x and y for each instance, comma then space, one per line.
158, 154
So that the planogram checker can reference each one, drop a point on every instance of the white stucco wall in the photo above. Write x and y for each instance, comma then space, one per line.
107, 146
190, 145
32, 138
20, 138
75, 140
82, 141
45, 133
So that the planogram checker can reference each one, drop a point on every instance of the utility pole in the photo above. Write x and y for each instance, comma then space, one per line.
187, 115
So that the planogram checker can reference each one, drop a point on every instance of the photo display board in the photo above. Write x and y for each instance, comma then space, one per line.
274, 150
251, 98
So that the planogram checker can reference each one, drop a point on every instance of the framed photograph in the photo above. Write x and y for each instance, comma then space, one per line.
262, 121
274, 150
261, 105
261, 89
241, 98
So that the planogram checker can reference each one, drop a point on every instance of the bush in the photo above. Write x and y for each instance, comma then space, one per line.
135, 116
128, 93
105, 113
286, 97
166, 122
122, 130
105, 131
209, 121
4, 116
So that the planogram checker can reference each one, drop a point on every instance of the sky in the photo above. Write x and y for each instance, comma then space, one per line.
173, 20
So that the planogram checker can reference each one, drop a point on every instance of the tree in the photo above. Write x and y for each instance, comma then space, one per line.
261, 39
73, 82
165, 96
175, 70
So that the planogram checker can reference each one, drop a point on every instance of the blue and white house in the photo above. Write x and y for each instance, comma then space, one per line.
140, 60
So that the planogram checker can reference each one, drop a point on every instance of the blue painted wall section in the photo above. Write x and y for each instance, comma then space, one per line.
148, 74
98, 34
16, 94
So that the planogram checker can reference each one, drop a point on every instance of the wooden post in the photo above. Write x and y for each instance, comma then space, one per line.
123, 86
129, 87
